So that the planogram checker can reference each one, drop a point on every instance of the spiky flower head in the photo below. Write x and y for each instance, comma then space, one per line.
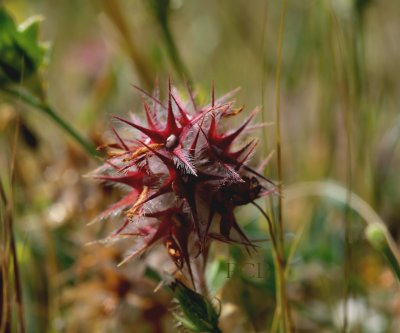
185, 176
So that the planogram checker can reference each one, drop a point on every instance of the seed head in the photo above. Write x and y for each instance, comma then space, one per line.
184, 177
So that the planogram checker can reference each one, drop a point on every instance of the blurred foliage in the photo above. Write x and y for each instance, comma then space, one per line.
21, 52
21, 57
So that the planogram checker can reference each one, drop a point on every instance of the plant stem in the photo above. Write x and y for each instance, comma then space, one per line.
270, 227
199, 275
37, 104
160, 9
115, 14
263, 77
280, 265
10, 250
173, 52
349, 103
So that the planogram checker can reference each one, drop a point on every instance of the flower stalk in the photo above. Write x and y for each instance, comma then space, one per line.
280, 262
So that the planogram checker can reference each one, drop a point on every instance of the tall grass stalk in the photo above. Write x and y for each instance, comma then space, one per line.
283, 306
6, 287
115, 14
349, 103
11, 280
160, 10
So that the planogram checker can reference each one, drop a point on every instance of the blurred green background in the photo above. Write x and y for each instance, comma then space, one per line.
340, 98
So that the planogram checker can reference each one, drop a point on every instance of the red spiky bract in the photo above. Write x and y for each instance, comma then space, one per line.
184, 177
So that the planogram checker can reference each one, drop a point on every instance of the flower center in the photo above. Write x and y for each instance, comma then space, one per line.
171, 142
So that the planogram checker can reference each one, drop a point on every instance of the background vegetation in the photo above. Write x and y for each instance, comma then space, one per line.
340, 128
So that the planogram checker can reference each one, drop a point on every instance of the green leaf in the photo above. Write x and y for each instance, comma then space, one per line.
21, 53
28, 39
198, 314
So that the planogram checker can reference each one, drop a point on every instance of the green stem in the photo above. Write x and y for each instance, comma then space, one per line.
37, 104
173, 53
160, 10
391, 258
281, 262
143, 67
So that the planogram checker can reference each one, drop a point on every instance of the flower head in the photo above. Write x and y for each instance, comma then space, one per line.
184, 176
